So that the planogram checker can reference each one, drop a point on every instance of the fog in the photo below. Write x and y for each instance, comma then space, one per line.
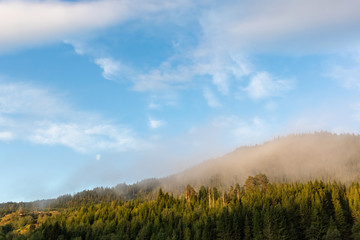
301, 157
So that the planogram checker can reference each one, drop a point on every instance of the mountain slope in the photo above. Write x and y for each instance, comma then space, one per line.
295, 158
304, 157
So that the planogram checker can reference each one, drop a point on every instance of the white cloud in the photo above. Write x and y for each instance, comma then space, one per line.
22, 98
261, 24
221, 81
154, 124
24, 22
27, 22
233, 30
162, 78
243, 131
40, 116
347, 71
176, 72
348, 77
6, 136
111, 68
211, 98
221, 70
251, 129
82, 138
263, 85
98, 157
78, 46
228, 29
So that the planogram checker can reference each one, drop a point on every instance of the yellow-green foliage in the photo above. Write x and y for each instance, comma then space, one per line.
313, 210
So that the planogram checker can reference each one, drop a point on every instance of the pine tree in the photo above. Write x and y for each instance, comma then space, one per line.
356, 230
257, 226
332, 233
340, 213
247, 229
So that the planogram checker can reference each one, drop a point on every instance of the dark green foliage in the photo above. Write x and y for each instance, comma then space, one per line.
292, 211
356, 230
332, 233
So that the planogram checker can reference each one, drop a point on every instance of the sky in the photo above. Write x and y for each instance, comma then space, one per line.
96, 93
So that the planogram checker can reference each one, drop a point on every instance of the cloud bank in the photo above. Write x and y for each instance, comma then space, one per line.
263, 24
33, 22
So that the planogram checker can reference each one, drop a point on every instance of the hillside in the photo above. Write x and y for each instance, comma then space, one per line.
218, 203
258, 210
294, 158
300, 157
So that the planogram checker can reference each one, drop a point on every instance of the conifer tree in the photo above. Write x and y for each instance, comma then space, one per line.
356, 230
332, 233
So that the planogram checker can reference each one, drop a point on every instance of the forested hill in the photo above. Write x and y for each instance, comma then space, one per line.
213, 201
257, 210
295, 158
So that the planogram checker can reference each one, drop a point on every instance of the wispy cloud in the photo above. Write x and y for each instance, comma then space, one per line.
260, 25
253, 129
154, 123
39, 115
347, 71
31, 22
6, 136
112, 69
211, 98
24, 99
243, 131
162, 78
263, 85
177, 72
231, 31
234, 29
92, 136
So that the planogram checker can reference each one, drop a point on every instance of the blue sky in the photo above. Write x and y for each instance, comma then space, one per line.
95, 93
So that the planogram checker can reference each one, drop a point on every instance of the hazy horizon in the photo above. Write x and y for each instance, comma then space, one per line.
96, 93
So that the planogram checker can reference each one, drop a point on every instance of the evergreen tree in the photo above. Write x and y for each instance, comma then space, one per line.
356, 230
247, 229
332, 233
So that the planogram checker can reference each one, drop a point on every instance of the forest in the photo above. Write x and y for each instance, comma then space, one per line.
258, 209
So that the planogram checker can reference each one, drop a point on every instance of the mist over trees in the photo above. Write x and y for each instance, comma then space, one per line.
297, 157
297, 187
